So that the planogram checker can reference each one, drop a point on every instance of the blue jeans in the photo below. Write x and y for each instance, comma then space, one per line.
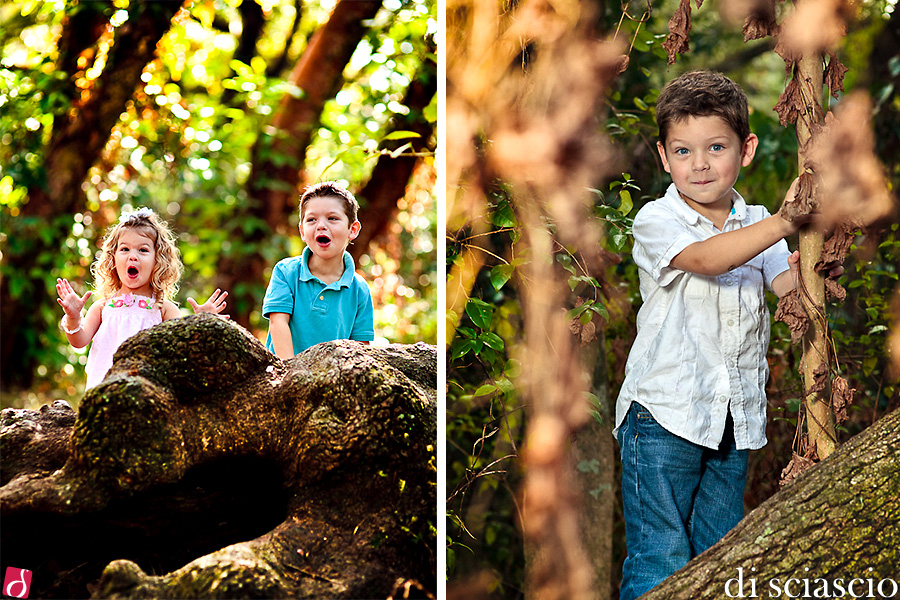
679, 498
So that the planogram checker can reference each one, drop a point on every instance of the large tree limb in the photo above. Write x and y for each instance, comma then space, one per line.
838, 520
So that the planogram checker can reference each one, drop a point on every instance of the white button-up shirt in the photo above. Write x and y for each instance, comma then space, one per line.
701, 342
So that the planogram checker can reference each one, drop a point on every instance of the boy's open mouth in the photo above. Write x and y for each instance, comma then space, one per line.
323, 240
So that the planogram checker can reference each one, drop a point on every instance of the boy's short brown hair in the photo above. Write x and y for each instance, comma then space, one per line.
330, 188
702, 94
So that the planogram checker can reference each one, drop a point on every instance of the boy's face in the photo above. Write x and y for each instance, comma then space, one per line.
325, 227
704, 156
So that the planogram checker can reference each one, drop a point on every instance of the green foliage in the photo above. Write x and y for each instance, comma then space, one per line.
484, 428
485, 422
184, 146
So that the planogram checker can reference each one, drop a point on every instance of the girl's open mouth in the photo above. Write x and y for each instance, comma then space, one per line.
133, 271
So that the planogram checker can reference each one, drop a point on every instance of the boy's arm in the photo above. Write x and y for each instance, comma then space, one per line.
786, 281
280, 330
726, 251
364, 324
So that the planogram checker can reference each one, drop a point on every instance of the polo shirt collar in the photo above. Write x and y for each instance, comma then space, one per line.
346, 278
692, 217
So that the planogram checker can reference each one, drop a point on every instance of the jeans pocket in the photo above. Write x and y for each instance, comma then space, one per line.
641, 413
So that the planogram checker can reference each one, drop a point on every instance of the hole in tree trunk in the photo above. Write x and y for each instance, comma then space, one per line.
161, 529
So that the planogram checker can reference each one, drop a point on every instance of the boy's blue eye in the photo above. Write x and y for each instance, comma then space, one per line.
681, 151
717, 147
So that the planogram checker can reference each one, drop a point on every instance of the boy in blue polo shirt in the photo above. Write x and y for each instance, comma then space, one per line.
318, 297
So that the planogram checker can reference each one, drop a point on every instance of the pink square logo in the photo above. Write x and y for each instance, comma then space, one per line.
17, 582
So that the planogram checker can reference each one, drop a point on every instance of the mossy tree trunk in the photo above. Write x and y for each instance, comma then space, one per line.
205, 467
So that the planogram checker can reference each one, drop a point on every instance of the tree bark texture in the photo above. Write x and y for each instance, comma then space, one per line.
593, 461
205, 467
819, 416
78, 137
838, 520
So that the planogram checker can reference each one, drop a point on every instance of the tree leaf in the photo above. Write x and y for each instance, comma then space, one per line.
400, 135
480, 312
500, 274
488, 388
492, 340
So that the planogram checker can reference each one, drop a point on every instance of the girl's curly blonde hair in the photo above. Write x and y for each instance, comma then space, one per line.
167, 270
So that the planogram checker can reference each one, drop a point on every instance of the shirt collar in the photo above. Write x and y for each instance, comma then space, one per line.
346, 278
692, 217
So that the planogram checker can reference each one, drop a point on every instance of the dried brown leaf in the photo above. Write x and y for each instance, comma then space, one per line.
834, 75
816, 25
575, 326
820, 379
834, 290
790, 311
588, 333
679, 31
837, 245
797, 465
790, 103
841, 398
790, 55
758, 17
852, 180
804, 200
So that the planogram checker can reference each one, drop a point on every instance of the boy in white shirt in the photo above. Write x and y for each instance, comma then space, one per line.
693, 401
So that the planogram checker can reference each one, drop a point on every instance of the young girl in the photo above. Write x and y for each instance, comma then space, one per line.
136, 276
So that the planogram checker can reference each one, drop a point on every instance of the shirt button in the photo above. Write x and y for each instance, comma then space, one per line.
321, 297
730, 322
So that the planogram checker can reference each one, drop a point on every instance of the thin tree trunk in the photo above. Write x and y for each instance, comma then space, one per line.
593, 460
819, 416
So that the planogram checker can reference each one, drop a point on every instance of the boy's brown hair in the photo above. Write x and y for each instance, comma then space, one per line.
330, 188
702, 94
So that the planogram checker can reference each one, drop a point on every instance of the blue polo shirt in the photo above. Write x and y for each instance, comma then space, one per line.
319, 313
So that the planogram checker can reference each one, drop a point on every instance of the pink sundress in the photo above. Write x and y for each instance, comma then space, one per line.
122, 317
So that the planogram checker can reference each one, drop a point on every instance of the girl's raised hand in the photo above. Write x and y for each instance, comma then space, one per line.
215, 305
71, 302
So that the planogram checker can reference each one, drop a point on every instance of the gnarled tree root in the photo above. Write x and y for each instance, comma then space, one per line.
205, 467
